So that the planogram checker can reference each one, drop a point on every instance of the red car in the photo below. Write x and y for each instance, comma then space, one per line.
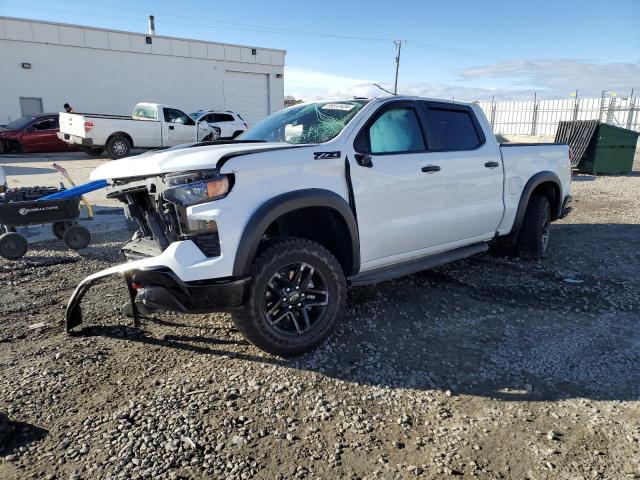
33, 133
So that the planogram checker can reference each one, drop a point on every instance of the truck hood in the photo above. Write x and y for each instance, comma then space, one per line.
178, 159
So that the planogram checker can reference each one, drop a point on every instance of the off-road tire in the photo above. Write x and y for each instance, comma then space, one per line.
251, 320
532, 244
118, 147
76, 237
13, 245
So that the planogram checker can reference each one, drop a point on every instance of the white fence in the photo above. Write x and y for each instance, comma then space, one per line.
541, 117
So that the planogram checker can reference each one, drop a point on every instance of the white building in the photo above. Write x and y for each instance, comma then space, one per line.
44, 65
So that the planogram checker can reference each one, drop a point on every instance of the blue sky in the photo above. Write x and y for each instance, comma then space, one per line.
470, 49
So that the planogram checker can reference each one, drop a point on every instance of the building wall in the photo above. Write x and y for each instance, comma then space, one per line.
102, 71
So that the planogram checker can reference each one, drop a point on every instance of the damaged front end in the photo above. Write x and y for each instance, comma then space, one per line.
167, 238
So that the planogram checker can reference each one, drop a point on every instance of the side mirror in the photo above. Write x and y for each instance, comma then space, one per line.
31, 129
364, 159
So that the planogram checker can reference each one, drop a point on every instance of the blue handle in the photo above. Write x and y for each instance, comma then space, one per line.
77, 191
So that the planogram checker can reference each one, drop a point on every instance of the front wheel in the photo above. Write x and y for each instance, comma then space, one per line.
533, 240
12, 245
296, 298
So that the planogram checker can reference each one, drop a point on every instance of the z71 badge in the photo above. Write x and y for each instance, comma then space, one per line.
325, 155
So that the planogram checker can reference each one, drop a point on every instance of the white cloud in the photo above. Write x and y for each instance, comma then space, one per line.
560, 76
520, 79
313, 85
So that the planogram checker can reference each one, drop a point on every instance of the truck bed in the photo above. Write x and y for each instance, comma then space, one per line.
522, 161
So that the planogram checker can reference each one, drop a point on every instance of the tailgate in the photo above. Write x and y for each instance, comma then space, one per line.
73, 124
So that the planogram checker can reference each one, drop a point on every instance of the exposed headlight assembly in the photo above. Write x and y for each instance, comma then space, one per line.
193, 188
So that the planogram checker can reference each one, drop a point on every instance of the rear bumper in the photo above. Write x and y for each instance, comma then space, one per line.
74, 139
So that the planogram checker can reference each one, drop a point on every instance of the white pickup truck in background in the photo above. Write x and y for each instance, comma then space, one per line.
151, 125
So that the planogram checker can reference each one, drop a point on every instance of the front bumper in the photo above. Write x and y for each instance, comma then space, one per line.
158, 287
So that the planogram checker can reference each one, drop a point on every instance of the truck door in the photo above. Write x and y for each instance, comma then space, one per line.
471, 173
179, 127
397, 190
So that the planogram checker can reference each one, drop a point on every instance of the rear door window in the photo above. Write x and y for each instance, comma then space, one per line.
222, 117
452, 129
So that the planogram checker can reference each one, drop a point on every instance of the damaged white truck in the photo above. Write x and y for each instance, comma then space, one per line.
274, 226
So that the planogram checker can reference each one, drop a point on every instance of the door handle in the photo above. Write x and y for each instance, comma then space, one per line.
171, 127
364, 159
431, 168
492, 164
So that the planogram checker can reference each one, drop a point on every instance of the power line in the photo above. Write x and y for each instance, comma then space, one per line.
247, 27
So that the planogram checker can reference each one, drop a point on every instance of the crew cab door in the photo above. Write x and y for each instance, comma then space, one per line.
470, 171
178, 127
420, 185
395, 199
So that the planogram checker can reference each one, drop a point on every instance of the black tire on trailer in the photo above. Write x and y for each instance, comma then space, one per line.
13, 245
93, 151
533, 239
296, 298
77, 237
118, 146
58, 228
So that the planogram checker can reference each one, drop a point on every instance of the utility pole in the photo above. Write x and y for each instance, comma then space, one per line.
398, 44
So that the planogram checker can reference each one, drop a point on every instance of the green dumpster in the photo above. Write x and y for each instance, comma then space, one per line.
599, 147
611, 150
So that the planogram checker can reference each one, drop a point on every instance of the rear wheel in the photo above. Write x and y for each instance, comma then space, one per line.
296, 298
118, 147
237, 134
533, 240
59, 228
13, 245
76, 237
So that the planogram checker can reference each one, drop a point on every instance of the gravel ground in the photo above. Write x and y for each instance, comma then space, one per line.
488, 367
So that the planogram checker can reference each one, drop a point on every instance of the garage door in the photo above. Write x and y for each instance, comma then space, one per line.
247, 94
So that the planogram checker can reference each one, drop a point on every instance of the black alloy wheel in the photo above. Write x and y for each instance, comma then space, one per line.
296, 298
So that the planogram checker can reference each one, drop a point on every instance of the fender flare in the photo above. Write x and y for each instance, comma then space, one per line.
285, 203
535, 181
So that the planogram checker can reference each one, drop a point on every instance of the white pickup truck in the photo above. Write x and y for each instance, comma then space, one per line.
150, 126
275, 225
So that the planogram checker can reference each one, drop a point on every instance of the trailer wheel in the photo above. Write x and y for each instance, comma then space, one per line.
12, 245
59, 228
76, 237
118, 147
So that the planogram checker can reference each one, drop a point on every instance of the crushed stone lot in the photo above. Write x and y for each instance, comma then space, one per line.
489, 367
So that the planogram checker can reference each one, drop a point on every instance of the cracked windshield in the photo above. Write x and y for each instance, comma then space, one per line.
308, 123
